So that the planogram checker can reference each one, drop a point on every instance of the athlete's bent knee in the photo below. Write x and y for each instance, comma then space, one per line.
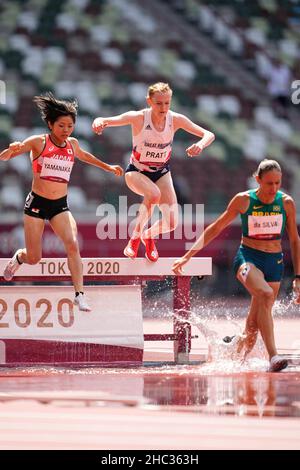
154, 197
265, 293
72, 247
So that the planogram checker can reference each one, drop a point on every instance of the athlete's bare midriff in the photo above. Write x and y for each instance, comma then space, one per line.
269, 246
48, 189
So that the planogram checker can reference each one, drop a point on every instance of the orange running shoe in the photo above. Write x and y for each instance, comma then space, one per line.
132, 248
151, 251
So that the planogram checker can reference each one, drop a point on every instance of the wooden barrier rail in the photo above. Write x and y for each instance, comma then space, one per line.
125, 271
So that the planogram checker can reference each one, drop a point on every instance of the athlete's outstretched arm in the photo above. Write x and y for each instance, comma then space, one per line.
212, 231
18, 148
207, 137
87, 157
124, 119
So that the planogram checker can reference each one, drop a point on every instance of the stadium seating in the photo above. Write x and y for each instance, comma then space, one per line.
105, 53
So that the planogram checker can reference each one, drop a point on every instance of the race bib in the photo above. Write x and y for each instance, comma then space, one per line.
155, 155
56, 170
264, 226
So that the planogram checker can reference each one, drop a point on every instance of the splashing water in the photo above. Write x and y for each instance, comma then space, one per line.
285, 307
223, 355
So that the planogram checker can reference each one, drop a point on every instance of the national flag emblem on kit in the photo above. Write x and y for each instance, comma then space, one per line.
276, 208
36, 211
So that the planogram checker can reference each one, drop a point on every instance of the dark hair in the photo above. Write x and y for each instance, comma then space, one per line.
265, 166
51, 108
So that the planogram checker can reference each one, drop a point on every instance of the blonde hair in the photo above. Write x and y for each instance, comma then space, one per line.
159, 87
265, 166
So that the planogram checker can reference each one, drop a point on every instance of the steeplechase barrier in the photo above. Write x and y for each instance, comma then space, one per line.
40, 325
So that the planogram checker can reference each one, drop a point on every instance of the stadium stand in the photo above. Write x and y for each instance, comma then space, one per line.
106, 52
